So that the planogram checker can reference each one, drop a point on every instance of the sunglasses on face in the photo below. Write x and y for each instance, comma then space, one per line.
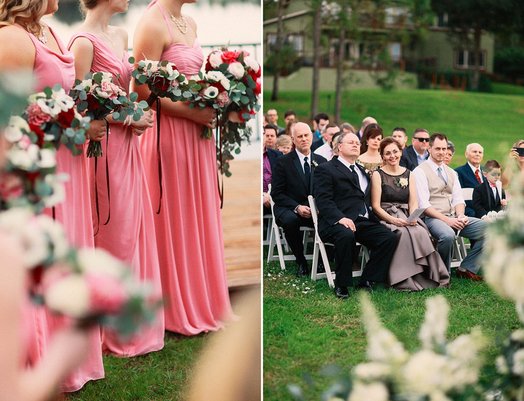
422, 139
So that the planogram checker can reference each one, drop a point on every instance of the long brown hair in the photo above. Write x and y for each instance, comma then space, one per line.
26, 13
371, 131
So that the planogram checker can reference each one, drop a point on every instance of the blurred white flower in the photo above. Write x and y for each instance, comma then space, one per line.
69, 296
369, 392
100, 261
518, 362
14, 131
433, 330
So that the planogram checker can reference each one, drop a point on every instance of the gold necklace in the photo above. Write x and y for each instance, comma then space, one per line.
180, 23
42, 36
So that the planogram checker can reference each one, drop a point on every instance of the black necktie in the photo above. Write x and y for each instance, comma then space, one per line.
355, 175
497, 197
307, 171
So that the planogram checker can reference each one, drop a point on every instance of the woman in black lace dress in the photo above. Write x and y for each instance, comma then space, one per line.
416, 264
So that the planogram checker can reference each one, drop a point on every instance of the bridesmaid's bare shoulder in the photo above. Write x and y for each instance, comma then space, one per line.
122, 35
151, 35
17, 50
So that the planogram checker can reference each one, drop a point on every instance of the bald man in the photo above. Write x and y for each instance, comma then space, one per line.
365, 122
292, 183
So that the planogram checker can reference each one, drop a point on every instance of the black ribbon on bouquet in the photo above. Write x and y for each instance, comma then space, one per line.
159, 155
97, 205
220, 183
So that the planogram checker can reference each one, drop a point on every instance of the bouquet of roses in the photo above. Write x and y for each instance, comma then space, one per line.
53, 118
99, 288
243, 76
163, 80
88, 285
97, 96
29, 178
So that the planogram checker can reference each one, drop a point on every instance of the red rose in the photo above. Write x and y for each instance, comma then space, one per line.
258, 87
65, 118
11, 186
37, 129
229, 57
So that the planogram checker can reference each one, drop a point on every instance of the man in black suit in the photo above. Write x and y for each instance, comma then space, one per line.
342, 193
292, 183
470, 174
486, 196
417, 152
269, 160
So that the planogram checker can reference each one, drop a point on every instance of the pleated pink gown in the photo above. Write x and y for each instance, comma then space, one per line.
74, 213
130, 233
189, 226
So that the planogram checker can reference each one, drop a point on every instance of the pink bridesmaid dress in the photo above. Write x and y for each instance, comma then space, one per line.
74, 213
123, 224
188, 226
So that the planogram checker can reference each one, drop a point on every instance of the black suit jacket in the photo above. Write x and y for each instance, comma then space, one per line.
484, 201
409, 158
468, 180
289, 187
273, 156
338, 195
317, 144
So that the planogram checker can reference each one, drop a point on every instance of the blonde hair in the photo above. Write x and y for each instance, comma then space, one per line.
284, 140
26, 13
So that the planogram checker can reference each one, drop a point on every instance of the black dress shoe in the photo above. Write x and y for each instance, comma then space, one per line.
365, 286
342, 292
302, 270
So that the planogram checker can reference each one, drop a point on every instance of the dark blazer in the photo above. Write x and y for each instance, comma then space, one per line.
468, 180
289, 187
273, 156
338, 195
409, 158
484, 201
317, 144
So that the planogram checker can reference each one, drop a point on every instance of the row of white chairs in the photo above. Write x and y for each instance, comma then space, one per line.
275, 240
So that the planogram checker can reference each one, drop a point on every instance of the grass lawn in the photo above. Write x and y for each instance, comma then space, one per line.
306, 328
495, 121
159, 376
507, 89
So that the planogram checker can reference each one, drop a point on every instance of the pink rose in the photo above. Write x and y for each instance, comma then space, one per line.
106, 294
36, 116
223, 99
229, 57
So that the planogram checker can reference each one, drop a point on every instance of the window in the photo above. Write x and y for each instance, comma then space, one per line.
442, 20
395, 52
465, 59
294, 39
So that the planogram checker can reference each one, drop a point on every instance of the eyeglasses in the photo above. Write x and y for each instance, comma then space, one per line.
422, 139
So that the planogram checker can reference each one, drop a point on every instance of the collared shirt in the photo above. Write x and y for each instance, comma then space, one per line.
266, 171
421, 159
423, 188
494, 190
301, 158
362, 178
325, 151
473, 168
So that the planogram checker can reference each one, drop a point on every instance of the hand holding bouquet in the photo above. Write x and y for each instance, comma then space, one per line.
163, 80
53, 118
97, 96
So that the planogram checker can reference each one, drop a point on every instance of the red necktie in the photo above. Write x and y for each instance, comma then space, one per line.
477, 176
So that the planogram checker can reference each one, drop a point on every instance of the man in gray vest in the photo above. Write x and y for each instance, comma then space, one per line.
439, 191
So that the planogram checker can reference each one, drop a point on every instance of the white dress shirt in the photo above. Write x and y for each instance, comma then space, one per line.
423, 189
325, 151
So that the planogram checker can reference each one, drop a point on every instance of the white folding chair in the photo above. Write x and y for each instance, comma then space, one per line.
277, 240
319, 248
267, 220
460, 248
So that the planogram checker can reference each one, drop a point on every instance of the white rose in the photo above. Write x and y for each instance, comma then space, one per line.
252, 63
14, 131
215, 59
210, 92
518, 335
69, 296
47, 158
20, 158
369, 392
372, 371
56, 235
57, 184
236, 69
99, 261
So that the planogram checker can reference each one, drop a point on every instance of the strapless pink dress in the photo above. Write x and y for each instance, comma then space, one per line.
74, 213
189, 226
130, 233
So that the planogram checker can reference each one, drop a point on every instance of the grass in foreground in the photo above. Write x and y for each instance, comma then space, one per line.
159, 376
307, 328
493, 120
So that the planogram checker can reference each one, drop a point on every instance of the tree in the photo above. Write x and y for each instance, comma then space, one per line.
317, 54
467, 19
